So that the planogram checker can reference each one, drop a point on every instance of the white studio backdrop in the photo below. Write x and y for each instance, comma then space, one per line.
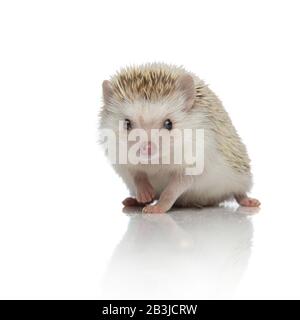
60, 202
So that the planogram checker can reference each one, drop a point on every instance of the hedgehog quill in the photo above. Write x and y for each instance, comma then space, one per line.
168, 100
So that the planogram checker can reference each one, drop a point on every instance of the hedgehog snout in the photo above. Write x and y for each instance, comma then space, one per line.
148, 148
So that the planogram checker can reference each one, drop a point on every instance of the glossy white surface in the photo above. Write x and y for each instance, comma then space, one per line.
185, 254
63, 234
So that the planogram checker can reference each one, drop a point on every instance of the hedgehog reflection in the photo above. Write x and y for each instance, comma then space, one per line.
192, 254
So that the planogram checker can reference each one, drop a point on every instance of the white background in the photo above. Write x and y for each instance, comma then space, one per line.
61, 216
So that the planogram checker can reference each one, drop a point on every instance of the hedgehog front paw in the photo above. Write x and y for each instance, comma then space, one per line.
154, 209
145, 194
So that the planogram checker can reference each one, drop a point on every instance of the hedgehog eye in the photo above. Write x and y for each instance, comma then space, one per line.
127, 124
168, 124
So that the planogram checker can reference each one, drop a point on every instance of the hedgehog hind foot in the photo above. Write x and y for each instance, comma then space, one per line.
131, 202
245, 201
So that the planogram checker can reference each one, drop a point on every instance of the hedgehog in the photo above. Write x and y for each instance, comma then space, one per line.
168, 100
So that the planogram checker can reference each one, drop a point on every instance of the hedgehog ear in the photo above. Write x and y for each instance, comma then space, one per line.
107, 91
187, 87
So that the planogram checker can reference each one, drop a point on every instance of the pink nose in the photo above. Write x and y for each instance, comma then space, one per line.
146, 148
